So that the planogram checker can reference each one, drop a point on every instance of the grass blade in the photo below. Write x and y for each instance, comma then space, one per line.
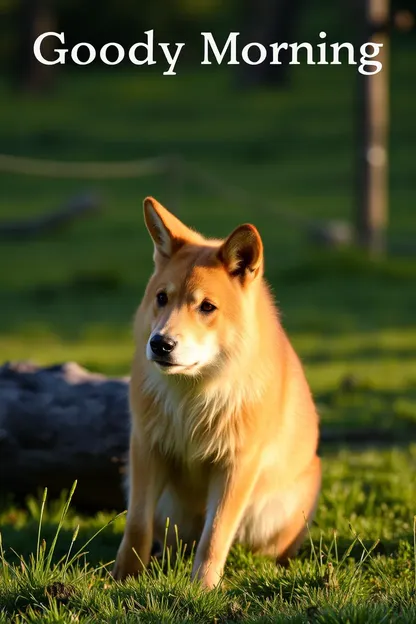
61, 521
42, 509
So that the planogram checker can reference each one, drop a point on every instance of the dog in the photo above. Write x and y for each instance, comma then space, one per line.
224, 429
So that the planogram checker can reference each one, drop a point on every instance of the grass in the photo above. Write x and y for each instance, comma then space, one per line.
71, 296
358, 565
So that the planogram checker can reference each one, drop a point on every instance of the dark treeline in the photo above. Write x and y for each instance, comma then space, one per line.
124, 22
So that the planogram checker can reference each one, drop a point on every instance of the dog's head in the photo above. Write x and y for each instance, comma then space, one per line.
201, 295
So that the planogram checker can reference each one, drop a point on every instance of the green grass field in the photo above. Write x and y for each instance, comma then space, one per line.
358, 565
71, 296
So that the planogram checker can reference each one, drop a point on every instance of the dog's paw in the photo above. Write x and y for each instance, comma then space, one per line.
209, 576
118, 573
127, 564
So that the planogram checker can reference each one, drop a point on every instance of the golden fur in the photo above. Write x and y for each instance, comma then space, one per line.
224, 434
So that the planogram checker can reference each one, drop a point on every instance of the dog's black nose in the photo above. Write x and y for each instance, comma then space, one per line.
162, 345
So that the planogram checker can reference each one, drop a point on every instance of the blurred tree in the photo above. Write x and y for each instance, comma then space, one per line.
266, 22
34, 17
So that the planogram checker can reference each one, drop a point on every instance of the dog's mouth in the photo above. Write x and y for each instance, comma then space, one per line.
172, 367
164, 363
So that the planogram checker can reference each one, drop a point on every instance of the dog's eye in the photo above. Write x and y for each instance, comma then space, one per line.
207, 307
161, 299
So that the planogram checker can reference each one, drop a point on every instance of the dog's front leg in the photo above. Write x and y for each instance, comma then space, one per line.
145, 484
228, 494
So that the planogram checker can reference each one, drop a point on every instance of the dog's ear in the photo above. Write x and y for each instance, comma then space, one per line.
242, 252
167, 232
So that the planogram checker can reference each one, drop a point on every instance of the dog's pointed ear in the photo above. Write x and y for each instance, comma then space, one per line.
168, 232
242, 252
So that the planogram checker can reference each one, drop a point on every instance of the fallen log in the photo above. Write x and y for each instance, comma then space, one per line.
62, 422
76, 207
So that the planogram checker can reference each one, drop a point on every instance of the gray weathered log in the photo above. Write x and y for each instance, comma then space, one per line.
62, 423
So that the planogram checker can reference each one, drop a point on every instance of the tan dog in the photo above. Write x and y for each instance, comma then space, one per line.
224, 429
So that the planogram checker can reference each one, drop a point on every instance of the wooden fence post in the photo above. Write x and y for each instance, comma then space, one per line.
371, 215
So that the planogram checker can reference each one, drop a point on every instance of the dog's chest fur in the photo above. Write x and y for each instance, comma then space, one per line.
189, 425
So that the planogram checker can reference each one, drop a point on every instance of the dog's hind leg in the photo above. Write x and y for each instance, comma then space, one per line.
287, 541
